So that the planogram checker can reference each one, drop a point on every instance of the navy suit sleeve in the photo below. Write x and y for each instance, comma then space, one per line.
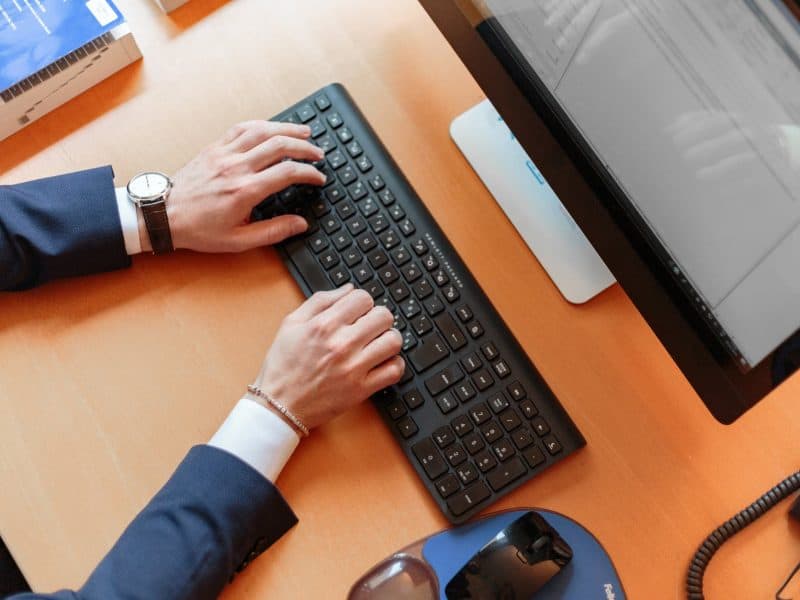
211, 519
59, 227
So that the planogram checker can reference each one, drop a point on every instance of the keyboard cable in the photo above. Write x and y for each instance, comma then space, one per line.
709, 547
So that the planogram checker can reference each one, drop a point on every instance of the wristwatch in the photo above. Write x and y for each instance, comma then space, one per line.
150, 191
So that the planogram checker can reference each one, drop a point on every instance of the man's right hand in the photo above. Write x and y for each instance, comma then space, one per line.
213, 195
333, 352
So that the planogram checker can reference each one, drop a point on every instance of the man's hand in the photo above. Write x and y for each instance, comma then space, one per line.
210, 204
333, 352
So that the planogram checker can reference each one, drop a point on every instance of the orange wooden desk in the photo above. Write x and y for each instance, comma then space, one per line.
86, 438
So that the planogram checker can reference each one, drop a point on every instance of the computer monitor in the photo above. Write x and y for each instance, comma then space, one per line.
670, 129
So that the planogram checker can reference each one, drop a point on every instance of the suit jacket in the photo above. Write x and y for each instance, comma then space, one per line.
216, 513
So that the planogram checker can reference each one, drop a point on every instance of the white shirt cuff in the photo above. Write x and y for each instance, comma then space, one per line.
129, 218
257, 436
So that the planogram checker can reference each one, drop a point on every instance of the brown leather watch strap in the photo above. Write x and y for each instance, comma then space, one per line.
155, 218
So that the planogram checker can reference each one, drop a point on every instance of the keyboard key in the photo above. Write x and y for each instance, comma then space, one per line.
516, 390
528, 409
444, 436
428, 353
389, 239
327, 144
335, 194
468, 499
329, 259
509, 471
429, 458
339, 276
411, 273
490, 351
498, 403
322, 102
351, 257
399, 322
540, 426
407, 427
397, 212
345, 210
336, 159
347, 175
410, 308
407, 227
369, 207
354, 149
377, 183
522, 438
378, 223
442, 380
461, 425
419, 246
344, 135
306, 113
407, 376
451, 293
413, 399
471, 497
356, 226
422, 325
485, 461
433, 305
475, 330
447, 403
450, 331
362, 274
501, 368
318, 242
409, 341
377, 258
491, 431
366, 243
399, 291
357, 191
483, 380
441, 278
400, 256
334, 120
388, 274
503, 450
552, 444
320, 208
341, 241
423, 289
480, 414
473, 442
396, 409
317, 128
465, 391
447, 485
363, 164
467, 473
464, 313
331, 224
533, 457
510, 419
386, 197
455, 455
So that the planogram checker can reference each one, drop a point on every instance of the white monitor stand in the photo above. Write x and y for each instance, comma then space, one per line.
530, 203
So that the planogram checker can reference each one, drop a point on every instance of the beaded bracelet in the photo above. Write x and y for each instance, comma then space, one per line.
299, 425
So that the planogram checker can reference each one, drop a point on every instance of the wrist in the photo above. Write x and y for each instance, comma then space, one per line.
256, 394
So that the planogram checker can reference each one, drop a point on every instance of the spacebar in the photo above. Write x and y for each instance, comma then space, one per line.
306, 264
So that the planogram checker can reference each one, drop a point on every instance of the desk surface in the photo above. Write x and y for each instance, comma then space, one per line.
85, 439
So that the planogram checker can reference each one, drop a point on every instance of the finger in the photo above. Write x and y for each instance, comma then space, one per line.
348, 309
320, 301
382, 348
249, 134
384, 375
278, 147
371, 325
269, 232
279, 177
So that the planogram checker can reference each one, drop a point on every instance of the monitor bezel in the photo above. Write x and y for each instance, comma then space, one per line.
597, 204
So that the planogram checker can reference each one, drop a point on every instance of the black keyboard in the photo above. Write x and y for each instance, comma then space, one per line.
472, 414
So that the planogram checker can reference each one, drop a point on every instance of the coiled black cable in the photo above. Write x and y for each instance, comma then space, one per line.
709, 547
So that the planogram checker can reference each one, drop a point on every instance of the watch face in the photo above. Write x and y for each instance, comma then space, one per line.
148, 185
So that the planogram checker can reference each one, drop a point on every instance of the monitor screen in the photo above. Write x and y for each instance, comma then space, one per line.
691, 113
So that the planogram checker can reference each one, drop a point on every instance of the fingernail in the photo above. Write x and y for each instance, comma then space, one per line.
306, 130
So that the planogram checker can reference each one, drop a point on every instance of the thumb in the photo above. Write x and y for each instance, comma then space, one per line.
271, 231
